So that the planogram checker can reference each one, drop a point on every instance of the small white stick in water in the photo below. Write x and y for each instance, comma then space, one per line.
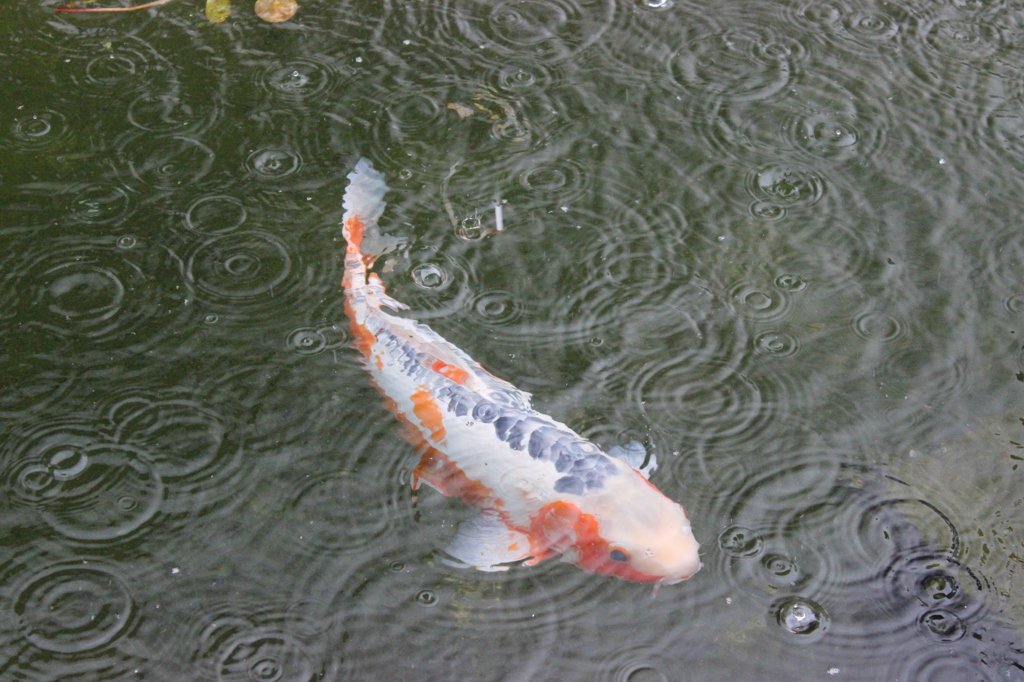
444, 195
499, 224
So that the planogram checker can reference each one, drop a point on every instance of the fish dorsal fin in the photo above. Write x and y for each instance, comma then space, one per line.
484, 542
633, 453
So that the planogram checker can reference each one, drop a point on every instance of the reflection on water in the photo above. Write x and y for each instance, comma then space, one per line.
777, 242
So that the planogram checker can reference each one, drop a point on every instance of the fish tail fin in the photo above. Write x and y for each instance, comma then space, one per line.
364, 203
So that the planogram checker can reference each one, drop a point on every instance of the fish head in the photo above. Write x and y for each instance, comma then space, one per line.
631, 531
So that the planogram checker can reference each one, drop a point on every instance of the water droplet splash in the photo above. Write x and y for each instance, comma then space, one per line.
426, 598
801, 617
470, 228
429, 276
941, 626
739, 541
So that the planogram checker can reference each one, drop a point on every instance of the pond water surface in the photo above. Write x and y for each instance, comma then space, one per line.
779, 243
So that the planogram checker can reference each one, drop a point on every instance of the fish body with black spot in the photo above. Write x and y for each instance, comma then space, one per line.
543, 490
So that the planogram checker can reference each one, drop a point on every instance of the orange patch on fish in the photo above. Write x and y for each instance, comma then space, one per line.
426, 410
362, 337
355, 234
456, 374
440, 472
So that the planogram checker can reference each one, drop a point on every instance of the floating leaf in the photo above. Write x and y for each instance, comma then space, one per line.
276, 11
218, 10
461, 109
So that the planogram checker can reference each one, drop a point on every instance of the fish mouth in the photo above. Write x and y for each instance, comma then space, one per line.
669, 581
673, 580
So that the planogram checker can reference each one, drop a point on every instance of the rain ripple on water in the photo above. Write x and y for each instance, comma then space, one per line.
71, 607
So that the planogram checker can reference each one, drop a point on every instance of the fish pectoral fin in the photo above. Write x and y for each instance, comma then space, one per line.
543, 556
386, 300
484, 542
634, 454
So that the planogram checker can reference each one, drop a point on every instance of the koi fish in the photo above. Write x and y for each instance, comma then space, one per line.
542, 489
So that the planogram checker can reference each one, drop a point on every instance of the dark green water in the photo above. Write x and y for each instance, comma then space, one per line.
780, 243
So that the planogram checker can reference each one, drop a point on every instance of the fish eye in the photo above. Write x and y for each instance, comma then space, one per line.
618, 554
